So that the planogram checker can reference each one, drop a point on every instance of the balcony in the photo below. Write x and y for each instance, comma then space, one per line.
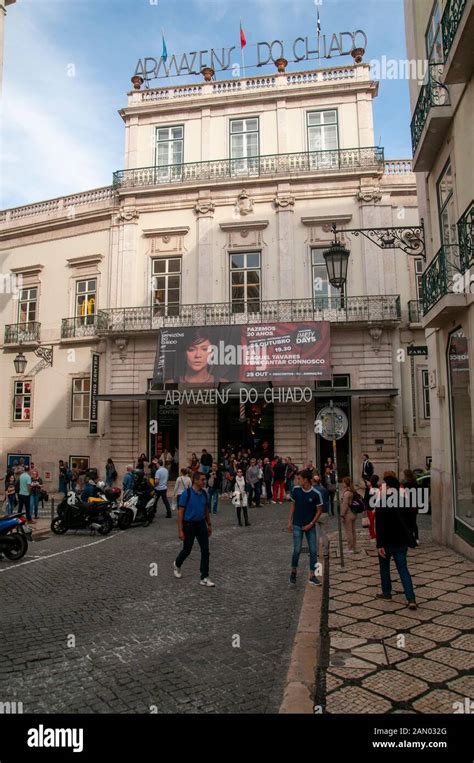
443, 279
458, 33
79, 328
26, 333
415, 310
348, 310
337, 161
431, 119
466, 238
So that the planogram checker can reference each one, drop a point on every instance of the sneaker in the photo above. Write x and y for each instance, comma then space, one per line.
208, 583
176, 571
272, 501
314, 580
412, 604
292, 578
386, 596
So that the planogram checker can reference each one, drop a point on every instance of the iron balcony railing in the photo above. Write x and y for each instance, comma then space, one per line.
22, 332
432, 94
466, 238
450, 22
415, 310
78, 327
336, 310
442, 276
337, 160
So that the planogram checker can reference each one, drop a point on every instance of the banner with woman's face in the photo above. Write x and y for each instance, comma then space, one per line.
209, 355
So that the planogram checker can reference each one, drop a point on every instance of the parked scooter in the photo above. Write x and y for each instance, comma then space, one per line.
76, 514
112, 496
139, 503
14, 536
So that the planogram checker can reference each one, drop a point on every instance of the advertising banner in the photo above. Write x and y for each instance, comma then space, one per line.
277, 352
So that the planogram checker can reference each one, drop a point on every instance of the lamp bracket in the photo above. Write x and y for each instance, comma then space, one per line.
46, 355
410, 239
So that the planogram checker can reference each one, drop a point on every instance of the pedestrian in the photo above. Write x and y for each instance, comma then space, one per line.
239, 498
330, 485
214, 483
252, 477
24, 494
291, 471
10, 494
168, 460
409, 483
267, 478
305, 511
206, 461
393, 540
279, 480
329, 464
348, 516
127, 482
153, 467
321, 524
367, 468
194, 522
231, 475
182, 483
110, 473
370, 498
74, 476
161, 488
141, 461
35, 491
194, 463
62, 488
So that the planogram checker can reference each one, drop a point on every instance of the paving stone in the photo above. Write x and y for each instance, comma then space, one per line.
372, 652
427, 670
440, 606
395, 655
463, 685
332, 682
396, 620
361, 613
445, 585
368, 630
335, 605
354, 598
437, 701
349, 585
353, 699
385, 605
351, 674
338, 620
412, 644
466, 641
436, 632
342, 642
395, 685
455, 621
457, 657
458, 598
426, 592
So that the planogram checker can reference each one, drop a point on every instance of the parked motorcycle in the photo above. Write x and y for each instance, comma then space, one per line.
112, 496
14, 536
137, 509
75, 514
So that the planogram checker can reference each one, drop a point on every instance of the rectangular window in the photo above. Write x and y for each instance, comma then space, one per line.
322, 130
166, 289
169, 152
425, 379
86, 299
324, 294
418, 278
245, 282
27, 305
446, 211
81, 391
22, 401
434, 37
244, 146
338, 380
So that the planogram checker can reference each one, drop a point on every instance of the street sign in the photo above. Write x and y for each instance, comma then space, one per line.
414, 350
331, 423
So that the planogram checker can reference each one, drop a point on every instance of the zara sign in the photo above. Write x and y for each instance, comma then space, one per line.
220, 59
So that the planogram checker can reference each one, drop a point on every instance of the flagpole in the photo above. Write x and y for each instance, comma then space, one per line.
319, 41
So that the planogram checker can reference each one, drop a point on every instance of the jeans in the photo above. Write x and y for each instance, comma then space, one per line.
213, 494
254, 493
163, 494
194, 530
11, 504
297, 543
400, 557
204, 469
268, 490
289, 485
24, 502
34, 501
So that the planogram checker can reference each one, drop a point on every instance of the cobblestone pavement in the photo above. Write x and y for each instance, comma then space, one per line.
386, 658
144, 641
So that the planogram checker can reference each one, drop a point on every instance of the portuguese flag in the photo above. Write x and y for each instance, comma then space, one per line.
243, 41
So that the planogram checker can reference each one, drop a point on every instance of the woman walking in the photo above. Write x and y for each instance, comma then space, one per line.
348, 516
182, 483
372, 492
239, 498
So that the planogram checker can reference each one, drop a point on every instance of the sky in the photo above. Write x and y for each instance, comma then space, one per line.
68, 63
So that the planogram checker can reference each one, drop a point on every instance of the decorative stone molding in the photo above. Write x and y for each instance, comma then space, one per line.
369, 195
322, 224
121, 342
166, 240
284, 202
244, 204
29, 275
204, 208
89, 262
376, 335
244, 234
128, 216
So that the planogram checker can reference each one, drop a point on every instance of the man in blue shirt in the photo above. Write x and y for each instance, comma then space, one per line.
128, 480
306, 508
161, 488
194, 522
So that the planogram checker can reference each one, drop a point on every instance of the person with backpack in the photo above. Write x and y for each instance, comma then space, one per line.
351, 504
194, 522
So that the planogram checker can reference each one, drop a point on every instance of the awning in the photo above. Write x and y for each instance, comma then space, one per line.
320, 392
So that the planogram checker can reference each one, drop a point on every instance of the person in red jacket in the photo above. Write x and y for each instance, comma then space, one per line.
279, 470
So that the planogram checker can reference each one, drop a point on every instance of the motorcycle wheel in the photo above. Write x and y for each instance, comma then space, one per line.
106, 526
125, 520
19, 548
57, 526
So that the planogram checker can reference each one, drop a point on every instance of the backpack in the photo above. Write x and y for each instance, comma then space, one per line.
357, 504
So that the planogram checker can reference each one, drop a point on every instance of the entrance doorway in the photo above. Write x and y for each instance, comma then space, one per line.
248, 426
164, 435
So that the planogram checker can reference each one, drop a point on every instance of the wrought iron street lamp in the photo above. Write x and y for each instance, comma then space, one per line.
44, 353
337, 259
20, 363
